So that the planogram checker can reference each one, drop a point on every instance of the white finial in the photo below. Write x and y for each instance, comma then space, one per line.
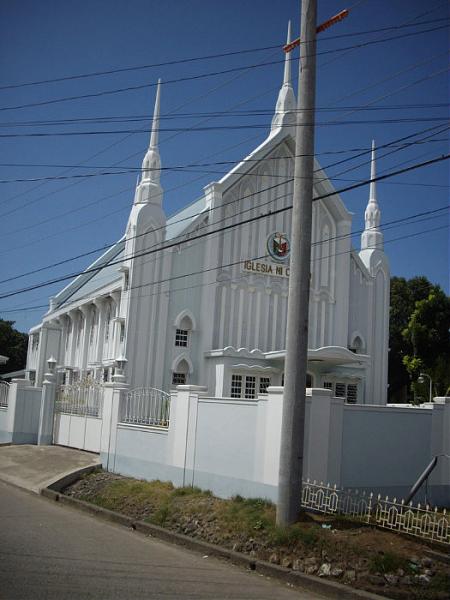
285, 109
373, 185
287, 61
372, 238
155, 124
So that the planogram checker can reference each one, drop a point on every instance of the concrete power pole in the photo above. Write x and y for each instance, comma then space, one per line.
293, 421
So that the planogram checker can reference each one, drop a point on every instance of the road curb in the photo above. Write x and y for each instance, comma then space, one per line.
331, 589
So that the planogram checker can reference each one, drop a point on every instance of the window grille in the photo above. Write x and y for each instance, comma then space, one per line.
340, 390
352, 393
264, 383
236, 386
178, 378
250, 386
181, 337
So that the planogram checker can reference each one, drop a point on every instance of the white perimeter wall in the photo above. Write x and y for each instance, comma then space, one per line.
232, 446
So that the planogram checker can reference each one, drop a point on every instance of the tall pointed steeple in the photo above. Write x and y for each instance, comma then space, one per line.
286, 105
149, 188
372, 238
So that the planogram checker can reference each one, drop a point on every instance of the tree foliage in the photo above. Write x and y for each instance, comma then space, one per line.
13, 344
419, 338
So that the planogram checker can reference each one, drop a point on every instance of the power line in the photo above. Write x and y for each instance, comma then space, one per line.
171, 137
220, 128
210, 74
316, 259
179, 242
388, 144
207, 57
193, 167
216, 114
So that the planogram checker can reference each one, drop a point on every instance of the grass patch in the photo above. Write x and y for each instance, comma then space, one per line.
388, 562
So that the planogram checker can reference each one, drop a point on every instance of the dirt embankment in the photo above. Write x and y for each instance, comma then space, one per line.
345, 551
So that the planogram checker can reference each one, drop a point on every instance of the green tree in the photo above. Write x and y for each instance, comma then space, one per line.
404, 295
428, 337
13, 344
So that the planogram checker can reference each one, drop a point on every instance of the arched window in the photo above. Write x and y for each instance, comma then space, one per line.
357, 346
183, 331
180, 373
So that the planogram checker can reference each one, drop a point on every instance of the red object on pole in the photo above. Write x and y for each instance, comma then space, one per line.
341, 15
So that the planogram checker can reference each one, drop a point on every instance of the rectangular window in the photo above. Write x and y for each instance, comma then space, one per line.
35, 342
264, 383
340, 390
122, 332
178, 378
328, 385
250, 386
352, 393
236, 386
181, 337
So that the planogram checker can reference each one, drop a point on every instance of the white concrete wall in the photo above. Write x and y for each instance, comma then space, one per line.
232, 446
384, 448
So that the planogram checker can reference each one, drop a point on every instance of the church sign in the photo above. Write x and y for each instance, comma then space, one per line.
279, 248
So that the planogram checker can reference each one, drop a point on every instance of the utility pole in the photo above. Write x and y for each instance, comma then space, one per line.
293, 420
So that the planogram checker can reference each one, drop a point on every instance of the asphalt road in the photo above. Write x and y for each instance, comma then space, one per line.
49, 551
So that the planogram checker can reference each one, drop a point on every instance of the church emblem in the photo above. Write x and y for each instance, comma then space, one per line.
278, 246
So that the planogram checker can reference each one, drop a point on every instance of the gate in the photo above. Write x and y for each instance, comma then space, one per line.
78, 415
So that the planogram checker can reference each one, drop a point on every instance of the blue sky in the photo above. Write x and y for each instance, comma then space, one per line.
45, 222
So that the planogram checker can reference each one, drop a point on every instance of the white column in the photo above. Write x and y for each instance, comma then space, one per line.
272, 434
112, 395
86, 310
181, 439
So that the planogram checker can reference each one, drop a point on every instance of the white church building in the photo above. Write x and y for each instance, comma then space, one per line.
201, 297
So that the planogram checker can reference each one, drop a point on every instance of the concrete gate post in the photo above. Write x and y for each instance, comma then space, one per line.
47, 412
112, 396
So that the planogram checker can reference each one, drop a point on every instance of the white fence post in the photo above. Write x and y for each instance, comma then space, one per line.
15, 386
182, 429
323, 436
272, 435
47, 413
440, 446
112, 398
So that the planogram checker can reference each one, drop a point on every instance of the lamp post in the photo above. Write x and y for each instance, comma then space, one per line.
421, 379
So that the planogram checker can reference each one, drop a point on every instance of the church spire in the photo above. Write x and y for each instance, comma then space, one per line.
284, 115
149, 188
155, 124
372, 238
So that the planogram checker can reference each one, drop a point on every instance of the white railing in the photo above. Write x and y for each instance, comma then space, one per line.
146, 406
84, 398
4, 390
421, 521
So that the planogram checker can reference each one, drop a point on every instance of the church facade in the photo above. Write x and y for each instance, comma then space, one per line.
201, 297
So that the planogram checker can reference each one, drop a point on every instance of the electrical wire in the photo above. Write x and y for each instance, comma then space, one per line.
207, 57
179, 242
206, 75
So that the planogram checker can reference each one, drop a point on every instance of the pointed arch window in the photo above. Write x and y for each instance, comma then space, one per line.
180, 374
183, 332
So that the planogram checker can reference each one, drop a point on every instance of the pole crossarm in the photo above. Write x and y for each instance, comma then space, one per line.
325, 25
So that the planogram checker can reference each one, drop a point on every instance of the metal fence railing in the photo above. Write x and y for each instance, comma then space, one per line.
4, 391
421, 521
146, 406
84, 398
